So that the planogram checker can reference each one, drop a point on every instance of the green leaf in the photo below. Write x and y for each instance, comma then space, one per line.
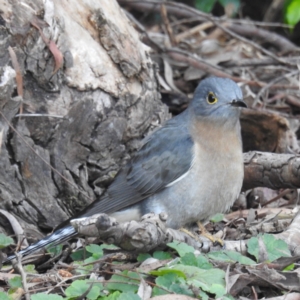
181, 288
228, 297
181, 248
54, 250
94, 291
3, 296
235, 5
96, 250
157, 291
5, 241
143, 256
80, 269
292, 12
203, 263
205, 5
220, 256
42, 296
79, 287
166, 280
275, 248
131, 282
80, 255
218, 289
211, 276
129, 296
15, 282
173, 283
200, 261
30, 269
230, 256
289, 268
113, 296
110, 247
217, 218
167, 270
161, 255
93, 248
211, 280
91, 259
189, 259
238, 257
203, 295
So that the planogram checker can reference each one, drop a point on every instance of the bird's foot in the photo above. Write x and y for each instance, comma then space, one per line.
211, 237
190, 234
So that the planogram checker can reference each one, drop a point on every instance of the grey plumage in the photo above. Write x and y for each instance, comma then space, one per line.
190, 168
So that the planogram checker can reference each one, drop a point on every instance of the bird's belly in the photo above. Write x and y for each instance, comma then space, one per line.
197, 196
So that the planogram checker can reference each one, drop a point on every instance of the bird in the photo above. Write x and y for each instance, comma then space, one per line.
190, 168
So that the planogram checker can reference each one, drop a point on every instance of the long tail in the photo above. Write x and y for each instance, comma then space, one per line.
58, 237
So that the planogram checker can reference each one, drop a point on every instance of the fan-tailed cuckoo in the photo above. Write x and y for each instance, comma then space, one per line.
191, 168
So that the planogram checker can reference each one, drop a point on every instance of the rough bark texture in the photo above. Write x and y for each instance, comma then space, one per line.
106, 93
141, 236
271, 170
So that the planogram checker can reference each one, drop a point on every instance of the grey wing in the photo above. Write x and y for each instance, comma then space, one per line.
165, 156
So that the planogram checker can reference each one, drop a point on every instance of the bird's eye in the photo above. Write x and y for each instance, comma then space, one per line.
211, 98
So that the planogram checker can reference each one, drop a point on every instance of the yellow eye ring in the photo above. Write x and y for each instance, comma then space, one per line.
211, 98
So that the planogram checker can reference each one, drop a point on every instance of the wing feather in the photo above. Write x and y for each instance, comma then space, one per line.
165, 156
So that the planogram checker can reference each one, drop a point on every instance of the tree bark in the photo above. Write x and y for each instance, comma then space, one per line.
103, 98
271, 170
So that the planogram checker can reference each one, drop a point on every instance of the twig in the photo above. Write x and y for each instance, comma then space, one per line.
285, 192
279, 41
40, 115
164, 15
201, 64
295, 72
23, 274
19, 77
253, 44
16, 65
254, 292
193, 30
252, 62
259, 23
196, 62
292, 100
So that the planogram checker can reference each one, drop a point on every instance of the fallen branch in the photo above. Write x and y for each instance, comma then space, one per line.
271, 170
151, 233
148, 234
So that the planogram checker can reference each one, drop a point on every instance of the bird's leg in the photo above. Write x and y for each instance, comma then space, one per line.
205, 233
189, 233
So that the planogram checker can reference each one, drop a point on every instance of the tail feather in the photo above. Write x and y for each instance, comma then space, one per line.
54, 239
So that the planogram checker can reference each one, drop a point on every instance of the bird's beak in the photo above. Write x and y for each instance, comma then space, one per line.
238, 103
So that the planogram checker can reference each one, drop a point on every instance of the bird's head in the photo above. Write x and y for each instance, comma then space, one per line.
217, 99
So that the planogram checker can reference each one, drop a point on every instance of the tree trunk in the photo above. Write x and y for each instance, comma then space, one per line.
98, 101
